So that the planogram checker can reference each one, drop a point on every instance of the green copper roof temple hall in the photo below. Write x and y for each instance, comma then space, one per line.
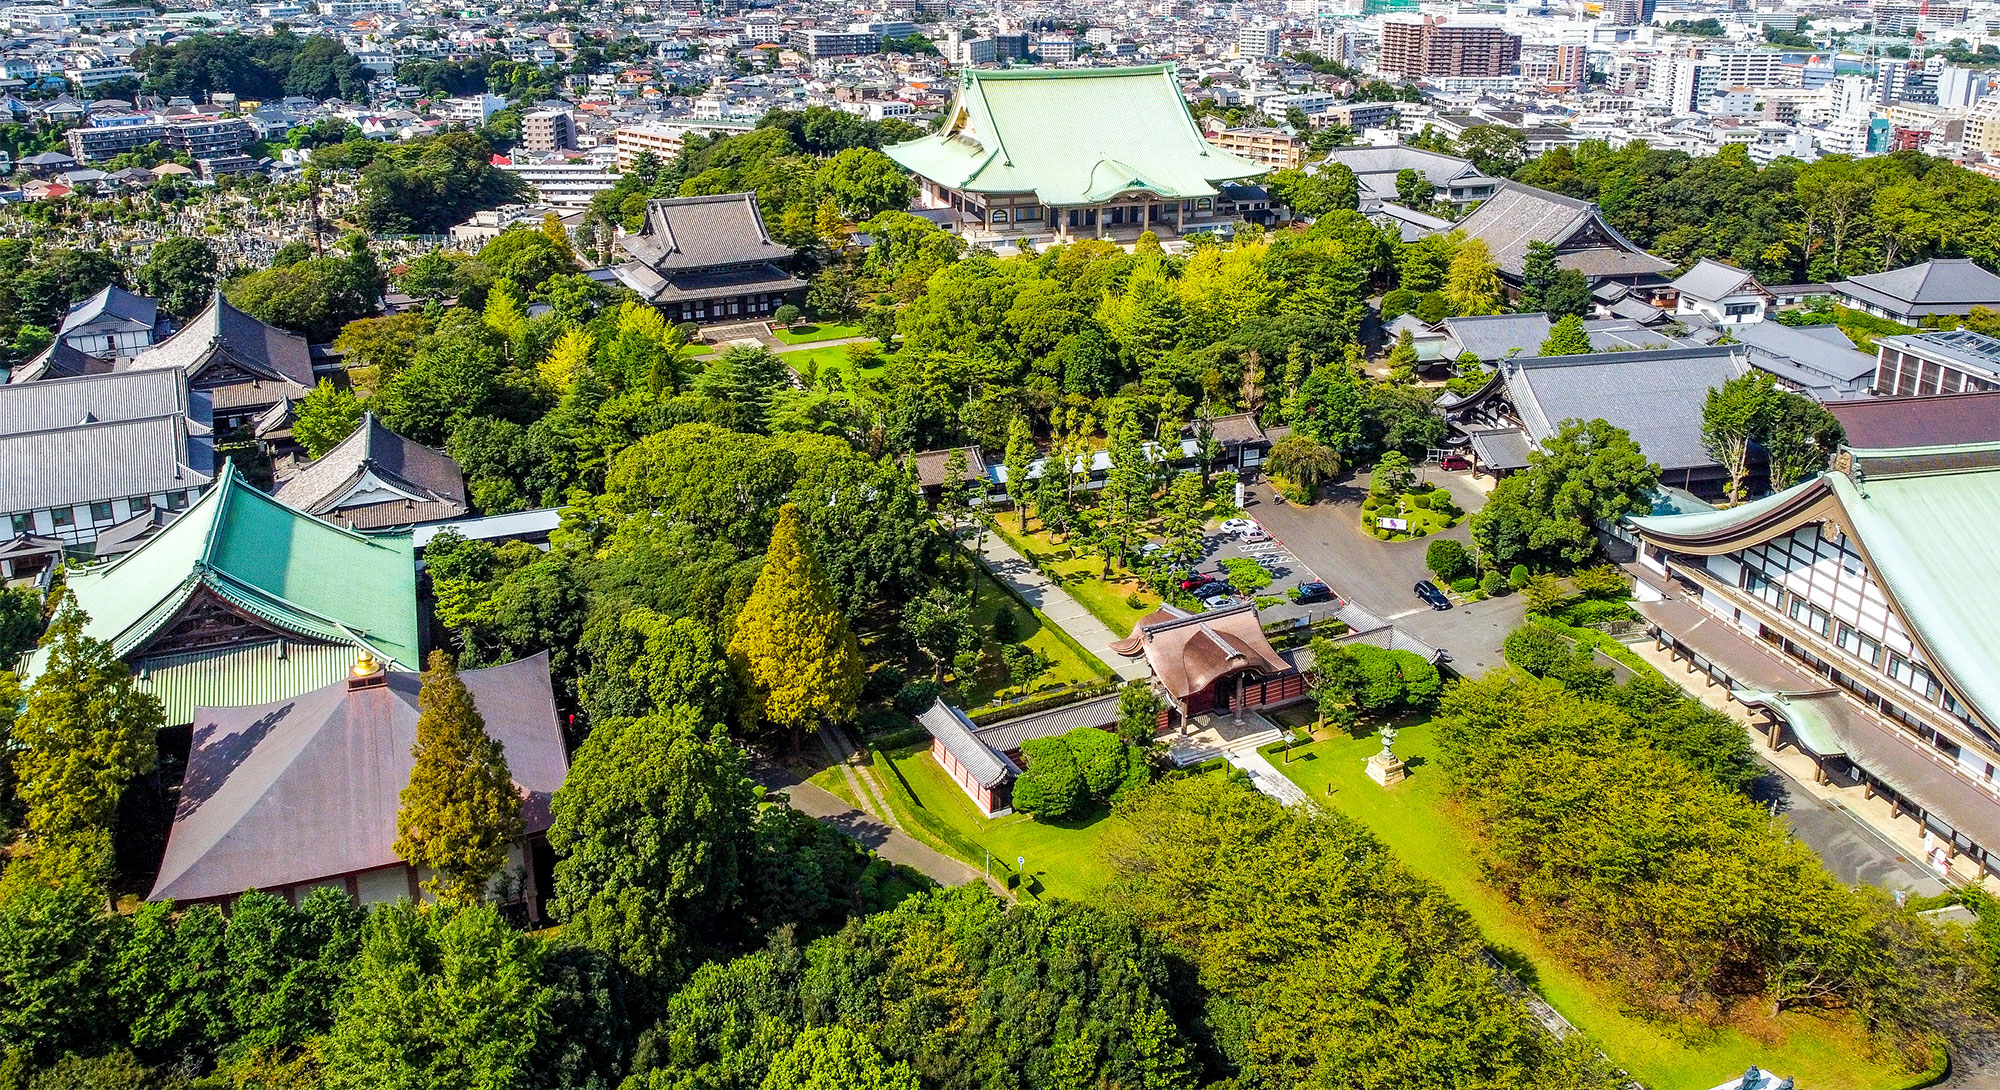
1055, 155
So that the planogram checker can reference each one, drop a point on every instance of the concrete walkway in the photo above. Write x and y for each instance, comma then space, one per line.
1266, 776
1056, 604
865, 829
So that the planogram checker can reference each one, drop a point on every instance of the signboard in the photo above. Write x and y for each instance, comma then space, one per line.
1393, 524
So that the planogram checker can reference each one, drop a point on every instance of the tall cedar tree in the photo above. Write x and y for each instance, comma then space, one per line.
84, 733
791, 639
461, 809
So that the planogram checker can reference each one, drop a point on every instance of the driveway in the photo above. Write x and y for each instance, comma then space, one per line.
1377, 575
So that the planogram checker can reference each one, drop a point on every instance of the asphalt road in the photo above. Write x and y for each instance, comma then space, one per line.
1378, 575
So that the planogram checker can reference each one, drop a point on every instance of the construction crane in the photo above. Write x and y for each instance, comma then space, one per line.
1917, 40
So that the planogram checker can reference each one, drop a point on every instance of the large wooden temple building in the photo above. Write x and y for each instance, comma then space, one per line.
1073, 153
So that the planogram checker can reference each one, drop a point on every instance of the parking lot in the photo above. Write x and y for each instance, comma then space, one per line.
1327, 539
1286, 569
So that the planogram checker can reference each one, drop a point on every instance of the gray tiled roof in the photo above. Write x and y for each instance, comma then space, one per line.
434, 485
1942, 285
72, 441
1008, 735
1657, 397
1711, 280
222, 332
1821, 349
1377, 167
1518, 214
112, 307
950, 726
683, 233
60, 359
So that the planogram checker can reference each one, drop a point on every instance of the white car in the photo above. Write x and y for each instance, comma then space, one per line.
1240, 526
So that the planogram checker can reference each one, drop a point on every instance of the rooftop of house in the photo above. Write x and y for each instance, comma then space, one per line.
1947, 419
1940, 285
1655, 396
1518, 214
70, 441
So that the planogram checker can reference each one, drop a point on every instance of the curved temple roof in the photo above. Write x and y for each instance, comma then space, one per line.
1924, 519
1073, 137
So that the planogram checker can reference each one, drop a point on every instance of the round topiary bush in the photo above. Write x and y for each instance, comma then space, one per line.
1518, 577
1370, 504
1464, 584
1492, 583
1383, 535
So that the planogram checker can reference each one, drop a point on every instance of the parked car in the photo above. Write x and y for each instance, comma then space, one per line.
1226, 601
1314, 592
1150, 549
1455, 461
1212, 590
1195, 582
1253, 536
1237, 526
1429, 592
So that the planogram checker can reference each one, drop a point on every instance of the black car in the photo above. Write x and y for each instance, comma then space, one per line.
1314, 592
1211, 590
1429, 592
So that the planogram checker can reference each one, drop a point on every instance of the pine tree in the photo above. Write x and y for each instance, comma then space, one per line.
461, 810
1567, 338
791, 639
85, 732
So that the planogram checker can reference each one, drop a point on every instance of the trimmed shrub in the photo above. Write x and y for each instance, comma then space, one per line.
1518, 576
916, 696
1448, 560
1370, 504
1052, 785
1464, 584
1492, 585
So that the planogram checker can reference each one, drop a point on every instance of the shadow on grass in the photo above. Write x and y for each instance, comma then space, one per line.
1519, 964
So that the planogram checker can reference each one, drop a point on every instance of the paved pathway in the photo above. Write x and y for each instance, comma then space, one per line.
865, 829
1266, 776
1056, 604
760, 332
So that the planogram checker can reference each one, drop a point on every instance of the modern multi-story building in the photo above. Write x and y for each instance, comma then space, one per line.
1855, 612
1627, 12
663, 138
1257, 40
548, 130
107, 135
1957, 361
1055, 49
1907, 18
817, 45
209, 137
1432, 47
561, 182
1272, 147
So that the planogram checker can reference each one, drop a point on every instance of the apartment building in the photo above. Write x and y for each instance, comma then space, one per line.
1433, 47
107, 135
208, 137
548, 130
816, 45
1257, 40
1269, 146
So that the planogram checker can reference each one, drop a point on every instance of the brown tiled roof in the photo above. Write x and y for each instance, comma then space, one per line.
930, 465
1190, 653
1945, 420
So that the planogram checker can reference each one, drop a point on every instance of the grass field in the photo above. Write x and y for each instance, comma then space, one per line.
1081, 576
1413, 820
1068, 663
807, 333
1062, 859
835, 357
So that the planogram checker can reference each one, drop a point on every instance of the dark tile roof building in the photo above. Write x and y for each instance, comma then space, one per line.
114, 322
373, 479
1942, 285
708, 259
1945, 420
245, 365
79, 454
302, 793
1518, 214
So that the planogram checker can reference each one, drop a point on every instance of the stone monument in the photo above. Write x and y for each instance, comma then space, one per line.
1385, 767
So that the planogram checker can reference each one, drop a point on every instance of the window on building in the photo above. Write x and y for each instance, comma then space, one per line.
1742, 310
1860, 646
176, 500
1811, 616
100, 511
64, 516
999, 215
23, 523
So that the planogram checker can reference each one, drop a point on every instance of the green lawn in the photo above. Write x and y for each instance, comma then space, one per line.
1068, 663
1419, 518
1413, 820
807, 333
1082, 575
835, 357
1063, 860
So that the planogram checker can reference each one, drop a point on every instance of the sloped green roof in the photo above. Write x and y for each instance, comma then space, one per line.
1928, 519
1073, 137
1934, 537
294, 571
